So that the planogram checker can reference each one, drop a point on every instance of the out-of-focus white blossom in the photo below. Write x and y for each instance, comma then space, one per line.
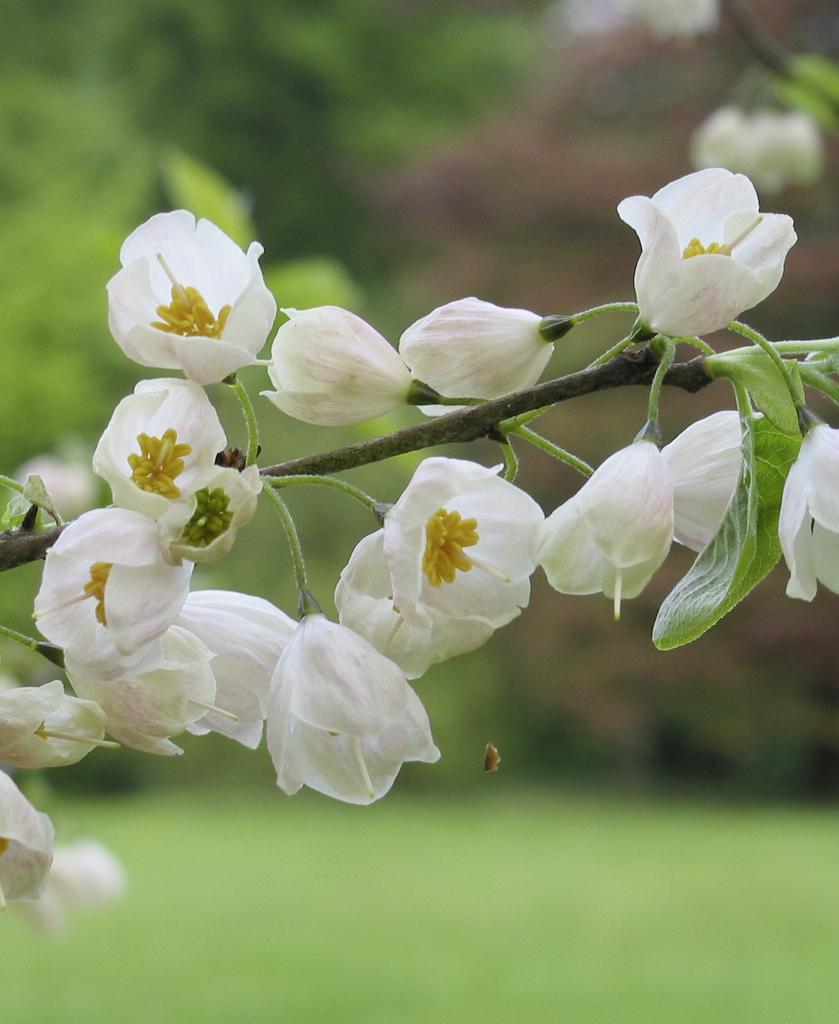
83, 874
704, 464
774, 148
808, 527
707, 253
330, 367
25, 845
342, 718
106, 582
475, 349
247, 635
43, 727
673, 17
615, 531
70, 483
187, 298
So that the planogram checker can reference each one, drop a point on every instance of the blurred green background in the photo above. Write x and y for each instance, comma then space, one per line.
392, 157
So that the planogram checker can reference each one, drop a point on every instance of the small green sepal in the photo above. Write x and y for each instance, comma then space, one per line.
306, 604
552, 328
421, 394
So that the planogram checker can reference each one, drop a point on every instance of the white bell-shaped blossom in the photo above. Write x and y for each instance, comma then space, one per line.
330, 367
364, 598
808, 527
614, 533
460, 543
159, 445
83, 874
475, 349
145, 710
43, 727
204, 527
106, 582
707, 253
673, 17
342, 718
704, 464
187, 298
247, 635
775, 148
26, 837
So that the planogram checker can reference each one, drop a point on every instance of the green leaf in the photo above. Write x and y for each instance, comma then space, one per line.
814, 88
304, 283
744, 549
765, 383
14, 513
203, 191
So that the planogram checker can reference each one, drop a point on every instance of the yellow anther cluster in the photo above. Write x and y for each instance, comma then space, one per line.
696, 248
161, 459
190, 316
95, 587
4, 845
446, 535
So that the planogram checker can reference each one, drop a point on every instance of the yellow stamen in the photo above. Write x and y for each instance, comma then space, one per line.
4, 845
47, 734
696, 248
188, 314
446, 536
161, 459
95, 587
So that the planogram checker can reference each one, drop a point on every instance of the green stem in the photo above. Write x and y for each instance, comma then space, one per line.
802, 347
744, 402
325, 481
511, 461
13, 485
293, 538
755, 336
508, 426
26, 641
664, 365
553, 449
703, 346
610, 353
250, 420
814, 378
608, 307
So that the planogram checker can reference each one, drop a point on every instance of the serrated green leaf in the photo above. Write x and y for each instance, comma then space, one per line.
765, 383
204, 192
744, 549
304, 283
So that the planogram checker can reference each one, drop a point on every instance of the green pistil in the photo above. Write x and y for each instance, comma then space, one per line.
210, 519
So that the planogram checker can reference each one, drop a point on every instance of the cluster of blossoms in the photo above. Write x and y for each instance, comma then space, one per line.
148, 659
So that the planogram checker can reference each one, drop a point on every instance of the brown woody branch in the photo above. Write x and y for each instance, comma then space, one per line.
20, 546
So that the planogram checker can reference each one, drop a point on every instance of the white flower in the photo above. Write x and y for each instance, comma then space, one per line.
144, 710
83, 874
342, 718
674, 17
105, 583
616, 530
71, 484
460, 543
707, 254
704, 464
25, 845
808, 527
247, 635
330, 367
774, 148
475, 349
159, 446
364, 598
43, 727
188, 298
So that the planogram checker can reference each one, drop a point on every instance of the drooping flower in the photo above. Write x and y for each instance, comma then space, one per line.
460, 543
43, 727
673, 17
247, 635
342, 718
83, 874
475, 349
707, 254
25, 845
160, 445
330, 367
146, 709
774, 148
614, 533
107, 585
188, 298
704, 464
808, 527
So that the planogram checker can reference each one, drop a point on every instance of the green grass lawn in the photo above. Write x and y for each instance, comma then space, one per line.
494, 909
